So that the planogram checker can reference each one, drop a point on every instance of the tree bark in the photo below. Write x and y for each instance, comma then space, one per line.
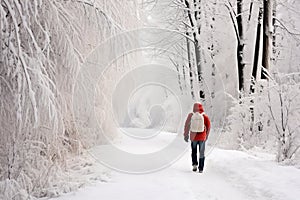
198, 60
240, 46
250, 10
274, 50
212, 49
266, 38
195, 24
257, 48
197, 14
199, 69
176, 65
184, 77
196, 34
190, 66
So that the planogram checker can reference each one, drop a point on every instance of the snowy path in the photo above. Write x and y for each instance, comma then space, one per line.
228, 175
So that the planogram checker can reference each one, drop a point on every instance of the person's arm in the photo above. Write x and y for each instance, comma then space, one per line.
207, 125
187, 126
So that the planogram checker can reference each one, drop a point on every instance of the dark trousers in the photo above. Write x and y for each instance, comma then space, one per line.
194, 145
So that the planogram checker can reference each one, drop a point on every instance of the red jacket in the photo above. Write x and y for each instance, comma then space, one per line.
194, 135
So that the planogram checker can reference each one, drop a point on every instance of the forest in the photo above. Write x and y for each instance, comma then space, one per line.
77, 74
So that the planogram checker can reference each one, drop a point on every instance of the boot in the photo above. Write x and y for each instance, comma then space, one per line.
201, 164
194, 168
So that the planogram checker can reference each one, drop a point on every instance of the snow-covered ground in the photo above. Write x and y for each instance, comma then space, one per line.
227, 175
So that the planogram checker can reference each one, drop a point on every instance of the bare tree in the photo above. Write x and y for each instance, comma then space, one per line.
194, 19
283, 96
237, 20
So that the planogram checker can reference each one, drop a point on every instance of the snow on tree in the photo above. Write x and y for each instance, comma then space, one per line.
276, 110
43, 45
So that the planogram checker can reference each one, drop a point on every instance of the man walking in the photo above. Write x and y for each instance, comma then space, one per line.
197, 126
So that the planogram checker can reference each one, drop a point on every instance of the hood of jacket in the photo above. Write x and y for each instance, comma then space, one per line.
198, 108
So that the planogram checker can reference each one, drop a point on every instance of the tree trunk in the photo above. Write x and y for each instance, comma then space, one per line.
256, 51
190, 66
199, 69
240, 46
198, 60
176, 65
212, 49
196, 34
266, 38
274, 50
250, 10
184, 77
